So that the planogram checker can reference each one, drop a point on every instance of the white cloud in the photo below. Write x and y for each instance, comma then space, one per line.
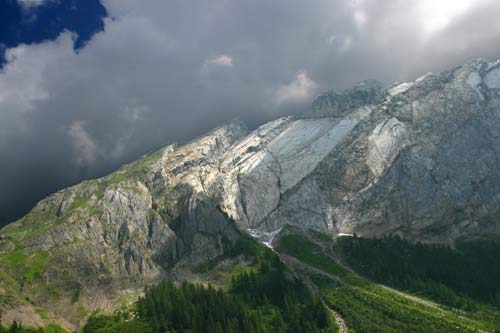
147, 79
86, 149
215, 64
31, 4
437, 15
332, 39
360, 19
106, 88
301, 89
223, 60
135, 113
22, 81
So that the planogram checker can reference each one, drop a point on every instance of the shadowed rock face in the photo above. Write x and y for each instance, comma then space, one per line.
336, 103
420, 159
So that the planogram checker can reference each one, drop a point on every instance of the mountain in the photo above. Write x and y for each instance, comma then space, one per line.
417, 160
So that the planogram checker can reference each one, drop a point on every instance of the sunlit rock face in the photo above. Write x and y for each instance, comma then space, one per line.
419, 159
104, 239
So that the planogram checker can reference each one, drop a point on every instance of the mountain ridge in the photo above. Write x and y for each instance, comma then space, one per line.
417, 159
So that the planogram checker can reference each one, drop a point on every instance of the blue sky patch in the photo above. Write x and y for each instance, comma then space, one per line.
47, 21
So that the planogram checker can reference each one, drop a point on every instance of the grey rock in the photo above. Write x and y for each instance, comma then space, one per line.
6, 245
106, 236
336, 103
419, 159
423, 164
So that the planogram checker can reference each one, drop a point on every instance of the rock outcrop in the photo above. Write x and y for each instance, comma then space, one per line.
95, 244
337, 103
419, 159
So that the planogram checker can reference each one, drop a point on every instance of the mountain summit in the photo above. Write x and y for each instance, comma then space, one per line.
418, 159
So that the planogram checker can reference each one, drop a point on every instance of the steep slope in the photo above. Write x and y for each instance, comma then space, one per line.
419, 159
95, 244
367, 306
421, 162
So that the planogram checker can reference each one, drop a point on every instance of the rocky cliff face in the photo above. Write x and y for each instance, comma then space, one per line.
337, 103
420, 159
94, 244
424, 164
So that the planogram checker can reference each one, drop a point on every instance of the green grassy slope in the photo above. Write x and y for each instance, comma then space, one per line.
371, 307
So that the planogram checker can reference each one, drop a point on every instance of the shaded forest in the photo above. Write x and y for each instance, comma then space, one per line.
456, 277
268, 299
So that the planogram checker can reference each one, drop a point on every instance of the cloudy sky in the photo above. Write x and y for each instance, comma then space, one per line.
86, 85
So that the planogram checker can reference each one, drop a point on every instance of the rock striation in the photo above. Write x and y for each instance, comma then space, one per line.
419, 159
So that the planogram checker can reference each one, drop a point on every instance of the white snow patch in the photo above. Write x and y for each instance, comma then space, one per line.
346, 235
264, 237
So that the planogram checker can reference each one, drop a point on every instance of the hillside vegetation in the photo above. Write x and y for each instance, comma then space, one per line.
371, 307
267, 299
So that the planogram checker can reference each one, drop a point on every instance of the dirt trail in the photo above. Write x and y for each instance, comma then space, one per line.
413, 298
338, 319
300, 267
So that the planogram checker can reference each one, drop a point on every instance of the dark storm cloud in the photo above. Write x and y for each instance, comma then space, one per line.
164, 71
